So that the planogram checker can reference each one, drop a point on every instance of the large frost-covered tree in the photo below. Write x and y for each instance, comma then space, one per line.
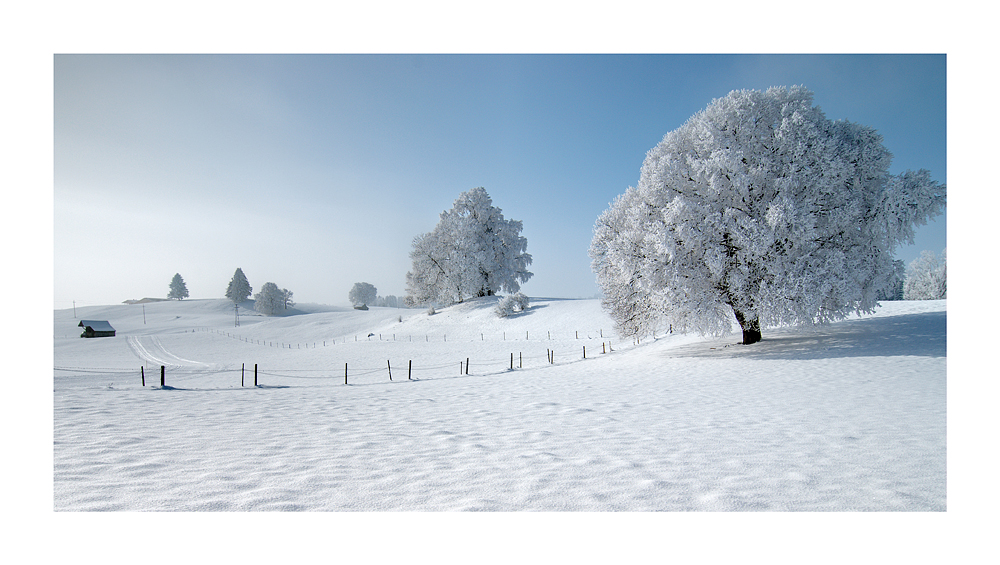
178, 290
473, 251
762, 210
927, 277
239, 288
270, 300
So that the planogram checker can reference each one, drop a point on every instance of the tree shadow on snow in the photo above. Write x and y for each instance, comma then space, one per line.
920, 335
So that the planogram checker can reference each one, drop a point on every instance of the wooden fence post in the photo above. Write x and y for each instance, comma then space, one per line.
409, 372
584, 351
387, 364
512, 361
345, 373
163, 372
243, 369
142, 371
466, 365
254, 374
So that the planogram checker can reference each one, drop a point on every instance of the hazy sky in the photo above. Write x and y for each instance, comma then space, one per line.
316, 172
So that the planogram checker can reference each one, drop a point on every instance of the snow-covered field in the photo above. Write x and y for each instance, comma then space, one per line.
845, 417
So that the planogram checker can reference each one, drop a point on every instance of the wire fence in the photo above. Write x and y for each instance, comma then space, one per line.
414, 338
347, 373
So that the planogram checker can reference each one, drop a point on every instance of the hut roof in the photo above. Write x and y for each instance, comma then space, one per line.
97, 325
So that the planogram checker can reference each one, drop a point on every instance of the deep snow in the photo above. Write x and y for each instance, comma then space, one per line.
848, 416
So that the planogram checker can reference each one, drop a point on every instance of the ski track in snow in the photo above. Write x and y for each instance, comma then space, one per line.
845, 417
153, 351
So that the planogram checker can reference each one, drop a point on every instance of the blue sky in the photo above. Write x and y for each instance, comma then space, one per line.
315, 172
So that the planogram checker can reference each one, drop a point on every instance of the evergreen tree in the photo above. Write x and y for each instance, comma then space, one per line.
239, 288
178, 290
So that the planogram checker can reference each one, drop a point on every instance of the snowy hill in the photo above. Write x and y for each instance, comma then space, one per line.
849, 416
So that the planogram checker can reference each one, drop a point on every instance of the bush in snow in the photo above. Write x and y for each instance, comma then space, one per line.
507, 305
473, 251
239, 288
362, 293
927, 277
431, 311
762, 209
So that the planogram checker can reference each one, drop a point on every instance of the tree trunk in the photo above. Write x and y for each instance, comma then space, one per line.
751, 328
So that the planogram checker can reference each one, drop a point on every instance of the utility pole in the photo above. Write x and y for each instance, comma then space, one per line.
237, 315
74, 309
144, 314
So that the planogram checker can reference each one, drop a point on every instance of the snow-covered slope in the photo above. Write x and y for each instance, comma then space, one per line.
849, 416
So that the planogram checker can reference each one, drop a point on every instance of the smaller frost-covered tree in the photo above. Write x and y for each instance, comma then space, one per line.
239, 288
178, 290
286, 298
472, 252
270, 300
362, 293
927, 277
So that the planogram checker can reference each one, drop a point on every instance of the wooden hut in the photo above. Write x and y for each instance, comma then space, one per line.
96, 328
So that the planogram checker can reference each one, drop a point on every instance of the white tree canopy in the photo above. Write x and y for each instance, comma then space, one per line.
473, 251
927, 277
269, 300
239, 288
362, 293
762, 210
178, 290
